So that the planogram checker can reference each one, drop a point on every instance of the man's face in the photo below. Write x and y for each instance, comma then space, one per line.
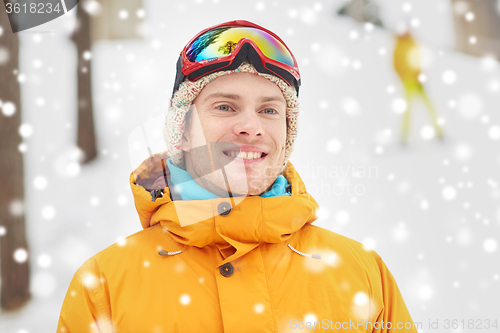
243, 115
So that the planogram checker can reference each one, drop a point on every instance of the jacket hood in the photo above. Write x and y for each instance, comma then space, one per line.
251, 220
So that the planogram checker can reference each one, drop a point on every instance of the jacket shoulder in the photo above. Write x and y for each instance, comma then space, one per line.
356, 262
349, 254
314, 236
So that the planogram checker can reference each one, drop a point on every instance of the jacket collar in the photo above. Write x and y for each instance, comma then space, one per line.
252, 220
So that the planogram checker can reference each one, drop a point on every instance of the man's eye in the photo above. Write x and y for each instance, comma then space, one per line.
270, 111
224, 107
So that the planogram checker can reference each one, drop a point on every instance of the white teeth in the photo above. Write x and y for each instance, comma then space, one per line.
247, 155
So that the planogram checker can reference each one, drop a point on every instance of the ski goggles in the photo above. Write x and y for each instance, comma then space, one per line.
227, 45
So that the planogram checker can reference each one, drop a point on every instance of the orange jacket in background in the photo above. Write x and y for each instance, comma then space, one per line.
252, 270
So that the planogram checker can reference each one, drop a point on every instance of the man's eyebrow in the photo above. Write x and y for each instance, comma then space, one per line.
272, 99
238, 97
223, 95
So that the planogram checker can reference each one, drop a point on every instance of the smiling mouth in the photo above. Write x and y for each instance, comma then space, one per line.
246, 155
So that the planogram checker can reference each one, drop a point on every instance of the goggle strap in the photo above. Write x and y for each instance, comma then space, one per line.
284, 75
179, 77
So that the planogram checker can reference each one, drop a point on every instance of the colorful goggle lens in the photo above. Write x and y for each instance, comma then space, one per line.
219, 42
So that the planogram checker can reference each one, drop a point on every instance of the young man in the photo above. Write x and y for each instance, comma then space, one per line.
228, 244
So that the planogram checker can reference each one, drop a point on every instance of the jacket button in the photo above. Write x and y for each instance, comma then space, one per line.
226, 269
224, 208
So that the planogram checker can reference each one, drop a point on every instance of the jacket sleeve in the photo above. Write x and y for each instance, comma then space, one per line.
86, 305
394, 316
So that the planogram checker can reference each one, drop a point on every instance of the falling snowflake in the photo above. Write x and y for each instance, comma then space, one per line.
140, 13
403, 186
494, 132
356, 64
322, 213
310, 318
334, 146
123, 14
40, 101
48, 212
350, 106
89, 280
260, 6
415, 22
427, 132
121, 241
342, 217
4, 54
425, 292
331, 258
87, 55
490, 245
399, 105
379, 150
40, 183
16, 207
469, 17
44, 260
449, 193
360, 298
26, 130
470, 105
406, 7
353, 35
20, 255
122, 200
400, 232
73, 169
464, 236
43, 284
424, 204
449, 77
369, 243
259, 308
22, 147
92, 7
185, 299
489, 63
21, 78
462, 151
8, 109
94, 201
37, 63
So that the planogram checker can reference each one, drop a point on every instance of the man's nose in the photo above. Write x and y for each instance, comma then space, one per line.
249, 124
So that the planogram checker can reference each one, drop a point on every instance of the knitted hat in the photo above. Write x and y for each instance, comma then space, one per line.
189, 90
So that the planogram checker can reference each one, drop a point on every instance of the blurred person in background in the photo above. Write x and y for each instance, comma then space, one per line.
228, 243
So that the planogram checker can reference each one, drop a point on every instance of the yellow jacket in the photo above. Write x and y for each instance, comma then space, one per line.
254, 269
